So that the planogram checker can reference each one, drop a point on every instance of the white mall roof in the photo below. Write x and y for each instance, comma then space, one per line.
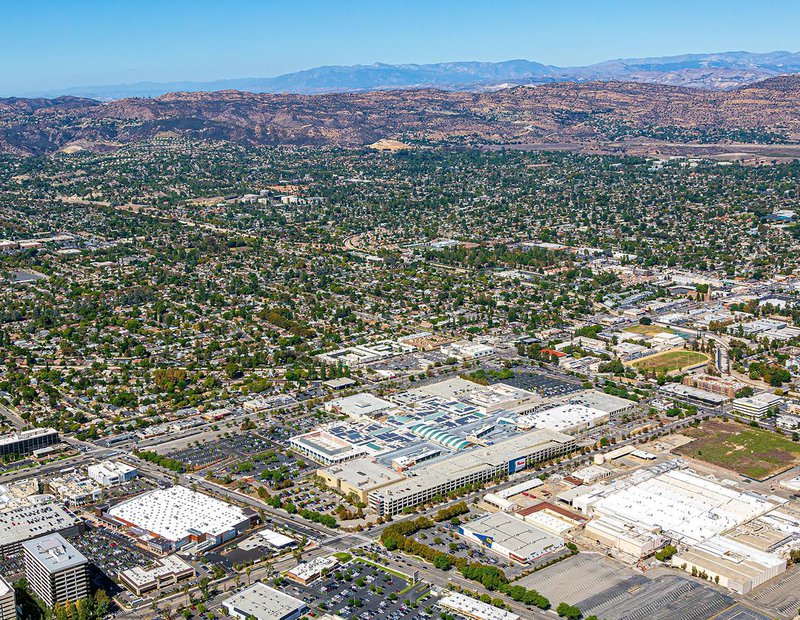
688, 506
176, 512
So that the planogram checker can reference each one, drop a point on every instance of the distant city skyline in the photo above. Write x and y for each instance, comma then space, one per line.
51, 45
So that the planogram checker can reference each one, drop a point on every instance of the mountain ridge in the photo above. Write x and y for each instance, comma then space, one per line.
565, 112
716, 71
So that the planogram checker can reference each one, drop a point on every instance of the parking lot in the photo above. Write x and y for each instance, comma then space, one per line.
444, 538
363, 591
199, 455
110, 552
602, 587
544, 385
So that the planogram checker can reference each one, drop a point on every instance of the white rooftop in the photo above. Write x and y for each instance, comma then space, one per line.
263, 603
176, 512
688, 506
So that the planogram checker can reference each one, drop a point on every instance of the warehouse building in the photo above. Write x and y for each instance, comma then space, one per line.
261, 602
27, 442
56, 571
469, 467
510, 537
162, 573
177, 517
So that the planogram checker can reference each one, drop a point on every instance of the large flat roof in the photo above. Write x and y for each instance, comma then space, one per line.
263, 602
521, 539
688, 506
364, 474
142, 575
177, 512
32, 520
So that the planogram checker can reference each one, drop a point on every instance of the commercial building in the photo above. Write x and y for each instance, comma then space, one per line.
568, 418
687, 507
56, 571
758, 406
630, 539
175, 517
510, 537
111, 473
731, 564
693, 394
325, 448
360, 477
261, 602
359, 406
32, 519
8, 607
475, 609
26, 442
470, 467
164, 572
74, 489
307, 572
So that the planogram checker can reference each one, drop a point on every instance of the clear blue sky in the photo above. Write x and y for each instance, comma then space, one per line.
53, 44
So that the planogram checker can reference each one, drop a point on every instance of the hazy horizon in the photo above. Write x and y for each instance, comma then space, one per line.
89, 43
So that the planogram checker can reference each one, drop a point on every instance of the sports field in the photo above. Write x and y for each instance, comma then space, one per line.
670, 360
756, 453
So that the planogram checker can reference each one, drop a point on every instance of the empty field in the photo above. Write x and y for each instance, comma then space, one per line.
751, 452
670, 360
649, 330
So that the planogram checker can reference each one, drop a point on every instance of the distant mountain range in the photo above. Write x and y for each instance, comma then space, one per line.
610, 114
723, 71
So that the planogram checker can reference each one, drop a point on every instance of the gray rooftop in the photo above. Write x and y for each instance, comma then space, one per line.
54, 553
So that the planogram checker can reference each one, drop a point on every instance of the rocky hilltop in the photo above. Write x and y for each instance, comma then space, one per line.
767, 111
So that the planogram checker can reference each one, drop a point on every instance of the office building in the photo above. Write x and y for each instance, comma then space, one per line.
56, 571
758, 406
26, 442
8, 610
111, 473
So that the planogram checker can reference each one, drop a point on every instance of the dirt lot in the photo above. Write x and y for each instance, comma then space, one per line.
751, 452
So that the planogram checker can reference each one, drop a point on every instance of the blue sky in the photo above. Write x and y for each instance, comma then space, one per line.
53, 44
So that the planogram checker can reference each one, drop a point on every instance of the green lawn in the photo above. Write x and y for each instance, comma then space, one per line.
751, 452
